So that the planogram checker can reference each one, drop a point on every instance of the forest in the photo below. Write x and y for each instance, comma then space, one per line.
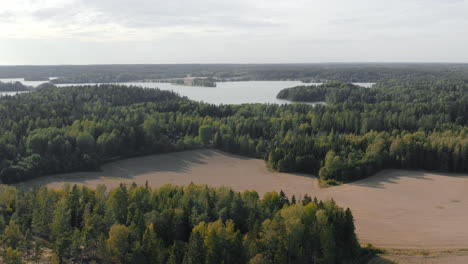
409, 124
201, 82
329, 92
13, 87
171, 224
308, 72
204, 82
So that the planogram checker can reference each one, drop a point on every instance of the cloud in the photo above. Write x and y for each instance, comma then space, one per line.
6, 16
164, 14
265, 30
261, 17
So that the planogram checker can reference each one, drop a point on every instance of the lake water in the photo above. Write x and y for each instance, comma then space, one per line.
21, 80
232, 92
11, 93
229, 92
225, 92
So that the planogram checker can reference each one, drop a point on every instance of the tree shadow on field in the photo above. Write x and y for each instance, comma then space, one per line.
128, 169
380, 260
178, 162
384, 177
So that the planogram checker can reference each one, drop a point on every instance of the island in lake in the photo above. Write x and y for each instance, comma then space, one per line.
201, 82
13, 87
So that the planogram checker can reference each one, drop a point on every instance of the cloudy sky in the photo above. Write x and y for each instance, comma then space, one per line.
232, 31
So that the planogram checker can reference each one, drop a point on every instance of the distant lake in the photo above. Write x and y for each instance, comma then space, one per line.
21, 80
246, 92
11, 93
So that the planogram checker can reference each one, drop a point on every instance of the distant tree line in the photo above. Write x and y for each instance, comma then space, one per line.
398, 124
192, 224
349, 72
99, 78
36, 78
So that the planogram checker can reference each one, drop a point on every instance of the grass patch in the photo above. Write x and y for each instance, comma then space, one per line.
325, 183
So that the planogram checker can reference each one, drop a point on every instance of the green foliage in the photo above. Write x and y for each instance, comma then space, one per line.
171, 224
330, 92
351, 72
409, 124
13, 87
12, 256
85, 142
118, 243
204, 82
205, 133
12, 236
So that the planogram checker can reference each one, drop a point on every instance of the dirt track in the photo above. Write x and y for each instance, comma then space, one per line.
394, 209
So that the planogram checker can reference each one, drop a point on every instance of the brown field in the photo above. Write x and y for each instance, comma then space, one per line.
417, 256
393, 209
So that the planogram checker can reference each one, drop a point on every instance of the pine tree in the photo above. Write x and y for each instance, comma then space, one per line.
196, 250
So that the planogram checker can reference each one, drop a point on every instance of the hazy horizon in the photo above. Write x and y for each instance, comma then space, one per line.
87, 32
247, 63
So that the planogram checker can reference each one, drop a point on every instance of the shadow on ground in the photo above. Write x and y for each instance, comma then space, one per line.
380, 260
127, 169
384, 177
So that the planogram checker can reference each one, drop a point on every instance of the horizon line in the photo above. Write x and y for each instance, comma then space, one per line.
229, 63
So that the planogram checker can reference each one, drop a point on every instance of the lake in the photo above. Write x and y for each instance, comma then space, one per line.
228, 92
245, 92
21, 80
11, 93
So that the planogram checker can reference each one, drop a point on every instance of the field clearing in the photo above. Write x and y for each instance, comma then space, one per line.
393, 209
402, 256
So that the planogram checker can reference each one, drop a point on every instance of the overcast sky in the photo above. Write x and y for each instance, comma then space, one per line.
232, 31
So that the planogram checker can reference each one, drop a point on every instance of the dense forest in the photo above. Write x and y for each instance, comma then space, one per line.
104, 78
329, 92
191, 224
411, 124
13, 87
349, 72
201, 82
204, 82
416, 124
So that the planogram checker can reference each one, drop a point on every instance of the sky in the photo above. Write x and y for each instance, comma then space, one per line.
37, 32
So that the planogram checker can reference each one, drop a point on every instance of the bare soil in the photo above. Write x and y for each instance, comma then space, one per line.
393, 209
424, 256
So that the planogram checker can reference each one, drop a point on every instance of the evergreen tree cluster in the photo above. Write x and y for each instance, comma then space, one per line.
410, 124
170, 224
13, 87
204, 82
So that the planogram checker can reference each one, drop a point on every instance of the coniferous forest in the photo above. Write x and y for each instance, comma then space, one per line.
233, 132
13, 87
411, 124
191, 224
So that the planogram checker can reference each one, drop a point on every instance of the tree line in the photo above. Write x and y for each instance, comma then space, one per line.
319, 72
409, 123
78, 128
171, 224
